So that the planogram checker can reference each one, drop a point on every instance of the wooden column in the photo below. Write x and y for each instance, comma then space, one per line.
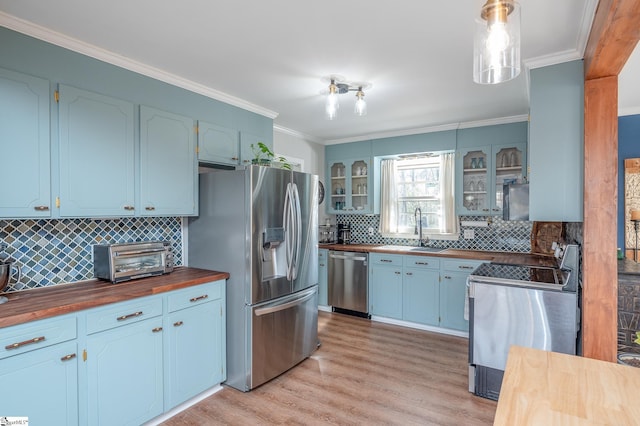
614, 34
600, 285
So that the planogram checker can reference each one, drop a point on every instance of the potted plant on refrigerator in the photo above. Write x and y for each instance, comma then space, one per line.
263, 156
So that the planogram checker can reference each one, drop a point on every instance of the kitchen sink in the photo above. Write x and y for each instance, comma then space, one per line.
428, 249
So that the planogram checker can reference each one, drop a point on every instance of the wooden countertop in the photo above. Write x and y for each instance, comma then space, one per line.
34, 304
487, 256
548, 388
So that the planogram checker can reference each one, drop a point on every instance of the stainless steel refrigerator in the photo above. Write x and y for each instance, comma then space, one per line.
260, 225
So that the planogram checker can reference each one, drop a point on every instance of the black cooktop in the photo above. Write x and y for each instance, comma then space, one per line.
518, 274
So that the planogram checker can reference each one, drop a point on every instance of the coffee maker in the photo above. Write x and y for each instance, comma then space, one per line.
344, 233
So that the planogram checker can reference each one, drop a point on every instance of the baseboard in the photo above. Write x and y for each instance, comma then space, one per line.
420, 326
165, 416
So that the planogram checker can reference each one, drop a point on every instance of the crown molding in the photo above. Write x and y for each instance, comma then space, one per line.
58, 39
553, 59
297, 134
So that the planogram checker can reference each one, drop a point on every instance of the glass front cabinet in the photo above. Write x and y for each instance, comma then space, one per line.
482, 171
350, 186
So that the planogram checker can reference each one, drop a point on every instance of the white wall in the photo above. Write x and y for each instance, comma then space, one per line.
311, 153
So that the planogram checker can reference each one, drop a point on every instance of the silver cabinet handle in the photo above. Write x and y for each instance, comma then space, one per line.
150, 208
41, 208
128, 208
234, 158
397, 272
157, 329
24, 343
177, 324
68, 357
322, 264
421, 263
386, 260
465, 267
409, 273
128, 316
447, 277
195, 299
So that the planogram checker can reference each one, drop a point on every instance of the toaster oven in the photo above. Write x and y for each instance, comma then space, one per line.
129, 261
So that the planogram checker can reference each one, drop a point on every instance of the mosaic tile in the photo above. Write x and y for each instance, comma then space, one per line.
500, 235
55, 251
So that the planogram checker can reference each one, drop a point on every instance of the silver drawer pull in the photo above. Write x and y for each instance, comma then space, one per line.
421, 263
129, 208
177, 324
234, 158
386, 260
41, 208
157, 329
397, 272
24, 343
409, 273
126, 317
149, 208
68, 357
447, 277
465, 267
195, 299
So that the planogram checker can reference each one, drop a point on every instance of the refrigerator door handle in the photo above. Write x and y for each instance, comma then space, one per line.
269, 309
298, 230
288, 230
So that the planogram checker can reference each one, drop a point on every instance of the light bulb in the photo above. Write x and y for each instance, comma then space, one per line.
332, 105
361, 105
498, 38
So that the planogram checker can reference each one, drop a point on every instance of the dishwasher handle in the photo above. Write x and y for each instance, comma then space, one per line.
358, 258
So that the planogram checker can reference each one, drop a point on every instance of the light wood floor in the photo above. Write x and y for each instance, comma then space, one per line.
364, 373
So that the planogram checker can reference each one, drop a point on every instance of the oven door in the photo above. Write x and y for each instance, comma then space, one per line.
145, 263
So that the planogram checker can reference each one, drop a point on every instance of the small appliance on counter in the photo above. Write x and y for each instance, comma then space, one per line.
8, 267
326, 234
344, 233
129, 261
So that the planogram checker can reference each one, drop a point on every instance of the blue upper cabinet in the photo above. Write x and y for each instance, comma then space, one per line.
96, 141
168, 164
247, 143
217, 144
25, 145
556, 144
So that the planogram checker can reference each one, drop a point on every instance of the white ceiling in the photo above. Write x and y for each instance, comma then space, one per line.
271, 56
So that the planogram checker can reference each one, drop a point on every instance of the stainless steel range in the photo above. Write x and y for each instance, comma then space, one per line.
529, 306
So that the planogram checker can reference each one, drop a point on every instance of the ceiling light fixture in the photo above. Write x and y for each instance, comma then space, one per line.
496, 48
339, 87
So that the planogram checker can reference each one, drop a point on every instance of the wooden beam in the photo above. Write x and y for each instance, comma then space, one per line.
614, 34
600, 289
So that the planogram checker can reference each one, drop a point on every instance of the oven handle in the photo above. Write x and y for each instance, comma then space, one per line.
137, 252
337, 256
277, 307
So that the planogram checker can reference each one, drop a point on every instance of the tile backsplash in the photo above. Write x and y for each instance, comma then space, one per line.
500, 235
55, 251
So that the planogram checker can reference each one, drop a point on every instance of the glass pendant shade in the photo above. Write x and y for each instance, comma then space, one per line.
332, 105
361, 105
496, 50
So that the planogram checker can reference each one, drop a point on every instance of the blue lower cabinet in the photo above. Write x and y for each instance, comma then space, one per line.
194, 364
453, 291
125, 374
385, 285
42, 385
420, 299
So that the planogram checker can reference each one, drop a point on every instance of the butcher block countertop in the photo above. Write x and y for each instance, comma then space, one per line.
487, 256
548, 388
29, 305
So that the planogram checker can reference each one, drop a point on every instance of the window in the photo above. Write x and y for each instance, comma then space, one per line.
425, 182
418, 186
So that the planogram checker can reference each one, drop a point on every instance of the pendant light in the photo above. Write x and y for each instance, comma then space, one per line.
337, 87
496, 50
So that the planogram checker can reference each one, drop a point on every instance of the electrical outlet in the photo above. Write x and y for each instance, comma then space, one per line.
469, 234
371, 231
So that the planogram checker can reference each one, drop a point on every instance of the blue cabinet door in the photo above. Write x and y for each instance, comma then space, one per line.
195, 363
323, 274
168, 164
350, 187
385, 286
217, 144
25, 145
421, 300
42, 385
247, 143
453, 292
96, 154
124, 374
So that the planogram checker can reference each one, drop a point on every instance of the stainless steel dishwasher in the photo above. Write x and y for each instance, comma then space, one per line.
348, 282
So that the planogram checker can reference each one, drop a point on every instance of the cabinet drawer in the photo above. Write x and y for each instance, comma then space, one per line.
119, 314
460, 265
195, 295
421, 262
36, 334
385, 259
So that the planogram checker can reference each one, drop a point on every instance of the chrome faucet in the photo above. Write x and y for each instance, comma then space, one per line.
418, 229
